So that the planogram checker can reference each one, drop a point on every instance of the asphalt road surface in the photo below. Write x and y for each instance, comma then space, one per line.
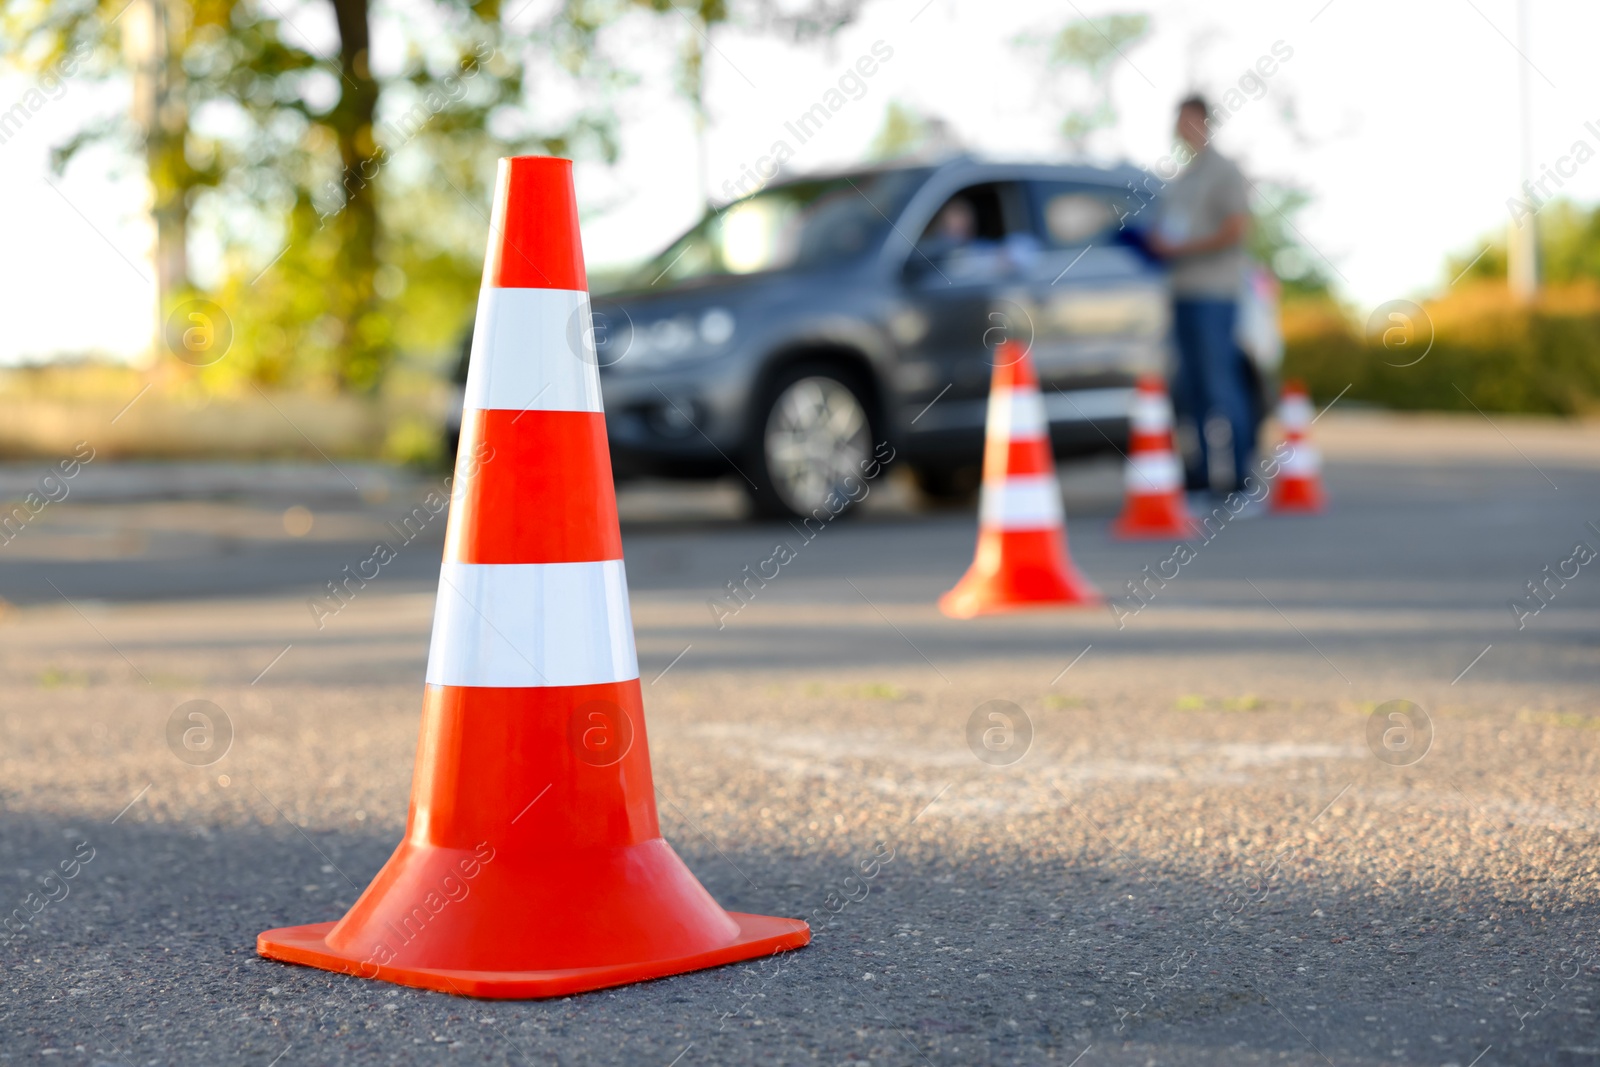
1206, 842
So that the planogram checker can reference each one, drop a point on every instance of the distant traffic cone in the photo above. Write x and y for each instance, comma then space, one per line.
1022, 559
1153, 478
1298, 487
532, 863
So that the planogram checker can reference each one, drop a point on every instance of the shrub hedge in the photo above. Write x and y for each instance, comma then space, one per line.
1486, 351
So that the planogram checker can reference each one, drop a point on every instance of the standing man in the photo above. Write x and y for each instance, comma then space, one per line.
1200, 232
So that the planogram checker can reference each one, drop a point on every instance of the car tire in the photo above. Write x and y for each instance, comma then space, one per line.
811, 443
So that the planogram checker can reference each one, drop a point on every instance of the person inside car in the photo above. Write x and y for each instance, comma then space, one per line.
952, 244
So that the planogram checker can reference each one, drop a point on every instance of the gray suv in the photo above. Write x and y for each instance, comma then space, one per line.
795, 334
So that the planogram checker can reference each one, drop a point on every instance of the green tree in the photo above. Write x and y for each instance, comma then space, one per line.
1077, 62
1275, 241
907, 131
1569, 246
903, 131
241, 121
294, 137
818, 20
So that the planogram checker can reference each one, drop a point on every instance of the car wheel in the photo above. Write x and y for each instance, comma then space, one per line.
813, 434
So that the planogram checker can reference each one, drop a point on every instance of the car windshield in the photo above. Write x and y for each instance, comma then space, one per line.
799, 224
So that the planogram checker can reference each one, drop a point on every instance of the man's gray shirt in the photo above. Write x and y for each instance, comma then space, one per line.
1196, 204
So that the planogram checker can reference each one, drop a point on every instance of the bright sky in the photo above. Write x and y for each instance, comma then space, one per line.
1400, 118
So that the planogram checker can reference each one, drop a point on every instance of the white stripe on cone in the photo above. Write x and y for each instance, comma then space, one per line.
1295, 412
532, 624
1153, 472
533, 349
1303, 460
1151, 413
1022, 502
1016, 414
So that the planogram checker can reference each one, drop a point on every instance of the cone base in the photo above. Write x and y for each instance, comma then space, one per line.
1153, 517
1019, 571
759, 935
960, 603
1297, 497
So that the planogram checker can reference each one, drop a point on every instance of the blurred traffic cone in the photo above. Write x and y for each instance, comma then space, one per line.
1022, 559
1154, 504
532, 864
1298, 487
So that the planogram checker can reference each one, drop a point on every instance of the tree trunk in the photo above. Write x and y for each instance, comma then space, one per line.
692, 84
155, 33
365, 345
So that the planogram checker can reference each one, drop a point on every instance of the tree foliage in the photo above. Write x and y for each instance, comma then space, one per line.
346, 195
1077, 62
1569, 248
814, 20
908, 132
1276, 243
309, 165
904, 130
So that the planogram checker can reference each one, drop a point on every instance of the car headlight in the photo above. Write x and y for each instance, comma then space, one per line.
672, 337
679, 339
716, 326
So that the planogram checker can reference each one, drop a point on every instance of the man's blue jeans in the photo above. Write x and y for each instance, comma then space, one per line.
1210, 382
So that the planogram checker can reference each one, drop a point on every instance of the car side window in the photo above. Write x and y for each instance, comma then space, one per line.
979, 233
1070, 216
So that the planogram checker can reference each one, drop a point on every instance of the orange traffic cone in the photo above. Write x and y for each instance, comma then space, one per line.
532, 864
1022, 559
1298, 487
1154, 505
